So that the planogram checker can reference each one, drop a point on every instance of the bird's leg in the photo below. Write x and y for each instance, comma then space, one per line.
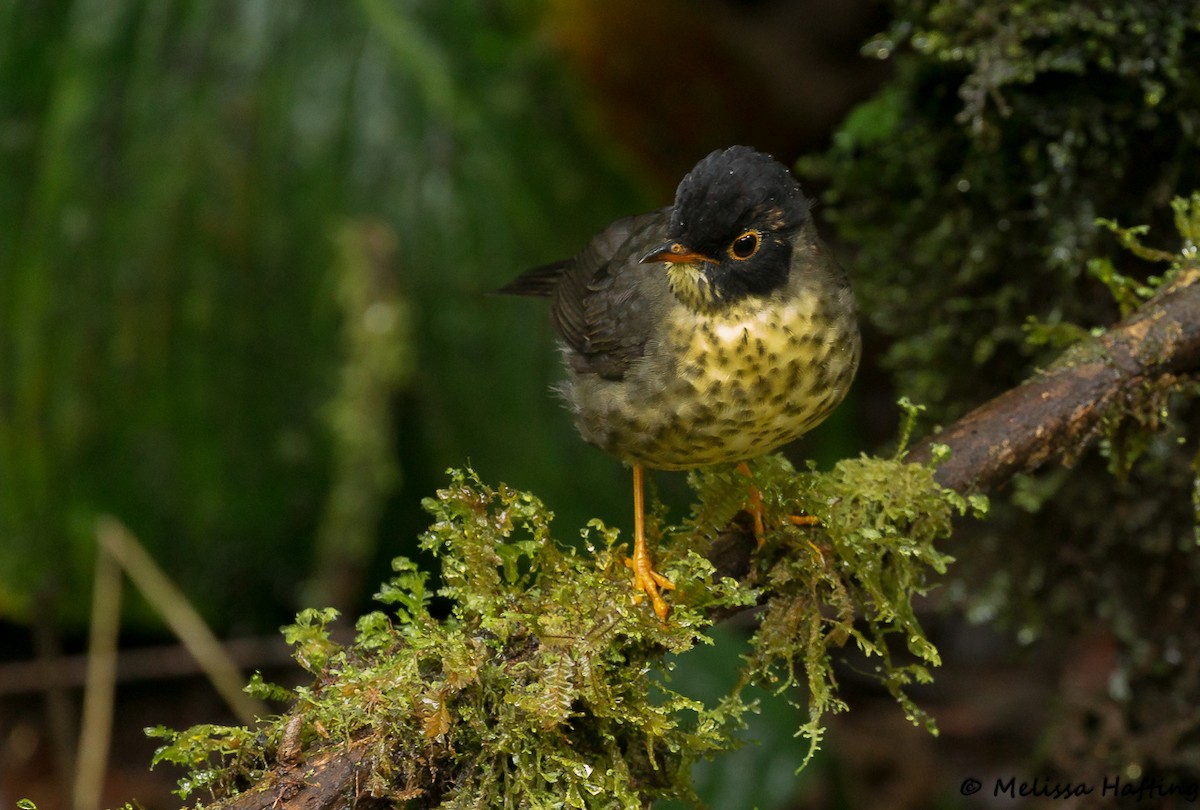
756, 508
756, 504
645, 578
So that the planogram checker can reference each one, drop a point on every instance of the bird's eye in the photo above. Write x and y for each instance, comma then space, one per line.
745, 245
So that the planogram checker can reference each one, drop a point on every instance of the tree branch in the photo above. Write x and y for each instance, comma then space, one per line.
1057, 412
327, 779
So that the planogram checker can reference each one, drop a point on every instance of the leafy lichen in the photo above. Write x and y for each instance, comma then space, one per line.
544, 685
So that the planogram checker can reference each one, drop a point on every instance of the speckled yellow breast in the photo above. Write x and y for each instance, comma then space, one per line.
723, 387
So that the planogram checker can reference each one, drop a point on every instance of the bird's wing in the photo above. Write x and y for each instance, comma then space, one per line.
538, 282
599, 309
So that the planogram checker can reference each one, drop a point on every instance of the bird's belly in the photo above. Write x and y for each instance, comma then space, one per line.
722, 388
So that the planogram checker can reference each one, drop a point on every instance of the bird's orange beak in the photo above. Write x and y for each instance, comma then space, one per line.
676, 253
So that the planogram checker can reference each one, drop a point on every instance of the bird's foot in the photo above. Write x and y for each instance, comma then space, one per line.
648, 582
756, 509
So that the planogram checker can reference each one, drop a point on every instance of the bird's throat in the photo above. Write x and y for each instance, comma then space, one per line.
691, 286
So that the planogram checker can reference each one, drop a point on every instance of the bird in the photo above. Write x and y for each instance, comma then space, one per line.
710, 331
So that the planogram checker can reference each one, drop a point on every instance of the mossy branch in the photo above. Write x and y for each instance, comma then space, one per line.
547, 685
1097, 385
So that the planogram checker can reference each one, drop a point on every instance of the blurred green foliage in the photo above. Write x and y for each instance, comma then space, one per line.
175, 178
377, 363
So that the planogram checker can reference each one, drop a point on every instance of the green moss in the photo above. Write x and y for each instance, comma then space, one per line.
850, 578
546, 686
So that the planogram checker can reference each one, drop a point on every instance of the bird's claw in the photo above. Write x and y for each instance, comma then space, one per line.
648, 582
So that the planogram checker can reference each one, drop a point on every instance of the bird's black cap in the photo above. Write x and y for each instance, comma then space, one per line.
732, 189
734, 222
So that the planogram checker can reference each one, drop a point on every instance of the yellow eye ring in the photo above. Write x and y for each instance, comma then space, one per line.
745, 245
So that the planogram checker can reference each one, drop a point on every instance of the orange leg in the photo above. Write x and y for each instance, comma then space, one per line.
756, 504
645, 578
756, 508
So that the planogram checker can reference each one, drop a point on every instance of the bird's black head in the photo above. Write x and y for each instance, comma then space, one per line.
731, 230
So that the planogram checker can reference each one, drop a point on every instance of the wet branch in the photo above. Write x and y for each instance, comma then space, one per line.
1057, 412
